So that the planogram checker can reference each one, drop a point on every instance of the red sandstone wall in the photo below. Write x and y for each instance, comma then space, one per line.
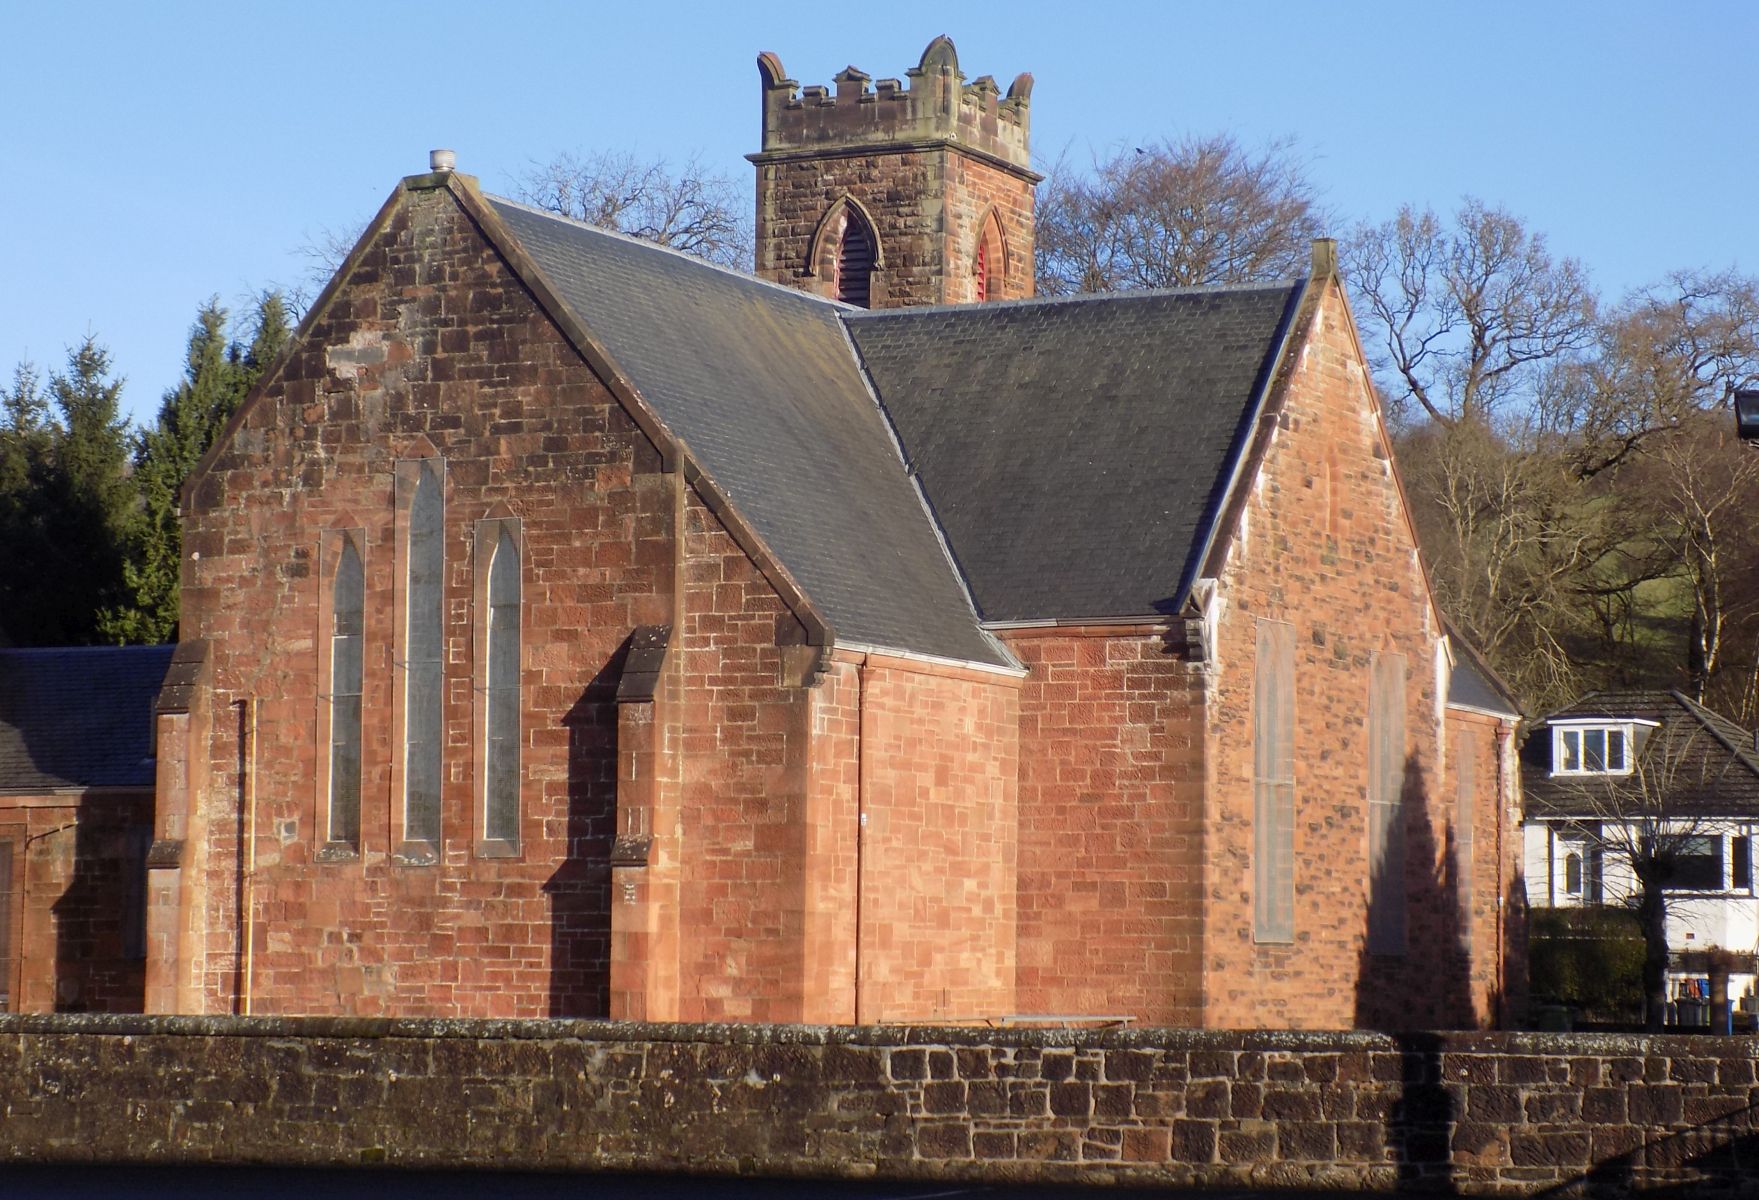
925, 206
1111, 838
75, 889
793, 197
429, 338
973, 189
939, 766
833, 862
743, 843
1496, 970
988, 1111
1325, 545
432, 338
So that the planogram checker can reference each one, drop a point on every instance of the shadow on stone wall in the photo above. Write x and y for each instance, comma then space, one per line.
1717, 1157
100, 938
580, 888
1511, 1003
1428, 987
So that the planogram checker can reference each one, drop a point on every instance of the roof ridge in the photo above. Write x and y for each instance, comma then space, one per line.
1615, 694
1268, 388
851, 312
1713, 721
661, 248
922, 499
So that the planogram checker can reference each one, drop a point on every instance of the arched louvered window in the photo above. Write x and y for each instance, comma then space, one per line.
982, 271
501, 757
424, 694
347, 614
852, 268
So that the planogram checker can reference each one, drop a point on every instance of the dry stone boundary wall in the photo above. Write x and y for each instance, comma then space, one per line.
1507, 1113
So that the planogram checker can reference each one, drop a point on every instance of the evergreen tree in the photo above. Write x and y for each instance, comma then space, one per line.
67, 503
218, 373
25, 443
273, 332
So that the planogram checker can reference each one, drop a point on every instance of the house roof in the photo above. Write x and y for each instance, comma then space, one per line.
78, 718
1077, 451
760, 383
1698, 762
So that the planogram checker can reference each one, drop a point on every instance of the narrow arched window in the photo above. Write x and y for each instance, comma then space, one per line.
989, 261
424, 694
501, 757
852, 268
1573, 874
347, 601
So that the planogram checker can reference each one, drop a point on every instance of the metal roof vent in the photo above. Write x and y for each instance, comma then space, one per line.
442, 161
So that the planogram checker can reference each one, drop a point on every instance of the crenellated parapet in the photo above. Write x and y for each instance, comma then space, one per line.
933, 105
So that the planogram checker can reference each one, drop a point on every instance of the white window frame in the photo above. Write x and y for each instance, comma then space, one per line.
1562, 731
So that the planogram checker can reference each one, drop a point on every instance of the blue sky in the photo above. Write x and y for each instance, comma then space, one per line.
155, 155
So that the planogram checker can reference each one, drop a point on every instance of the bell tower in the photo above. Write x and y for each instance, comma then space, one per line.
896, 194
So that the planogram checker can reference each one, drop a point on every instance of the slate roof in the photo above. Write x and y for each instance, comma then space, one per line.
1706, 765
761, 384
1076, 451
78, 718
1470, 687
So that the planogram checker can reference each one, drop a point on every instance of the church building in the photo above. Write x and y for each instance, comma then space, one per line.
573, 628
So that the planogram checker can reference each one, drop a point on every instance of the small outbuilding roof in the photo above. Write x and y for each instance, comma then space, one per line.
78, 718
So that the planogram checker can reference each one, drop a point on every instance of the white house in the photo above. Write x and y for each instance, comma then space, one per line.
1618, 778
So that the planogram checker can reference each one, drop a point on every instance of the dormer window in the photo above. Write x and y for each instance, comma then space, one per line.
1591, 748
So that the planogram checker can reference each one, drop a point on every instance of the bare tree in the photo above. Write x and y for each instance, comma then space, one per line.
1176, 214
324, 252
1467, 316
1537, 566
1666, 353
1696, 484
692, 209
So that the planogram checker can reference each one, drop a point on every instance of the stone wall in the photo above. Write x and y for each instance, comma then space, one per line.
1325, 544
428, 348
71, 899
1480, 1113
938, 761
927, 164
1111, 824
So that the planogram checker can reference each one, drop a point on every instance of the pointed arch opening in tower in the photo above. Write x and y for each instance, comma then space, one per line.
853, 259
989, 262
